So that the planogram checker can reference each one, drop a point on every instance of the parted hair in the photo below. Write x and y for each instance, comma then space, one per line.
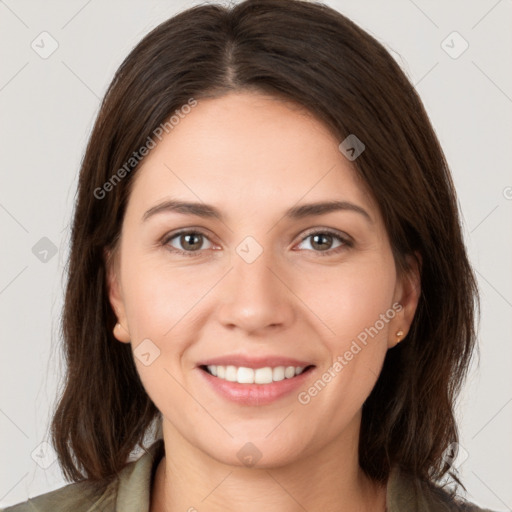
311, 55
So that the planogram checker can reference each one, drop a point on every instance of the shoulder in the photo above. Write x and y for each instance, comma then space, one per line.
407, 494
130, 489
78, 496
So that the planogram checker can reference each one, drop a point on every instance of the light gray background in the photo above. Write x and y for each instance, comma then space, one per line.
47, 110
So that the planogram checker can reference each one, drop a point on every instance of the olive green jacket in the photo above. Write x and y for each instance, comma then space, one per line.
131, 493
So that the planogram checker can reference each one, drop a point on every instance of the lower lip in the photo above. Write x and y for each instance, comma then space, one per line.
255, 394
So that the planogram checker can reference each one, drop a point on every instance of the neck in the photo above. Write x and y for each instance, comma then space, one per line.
330, 479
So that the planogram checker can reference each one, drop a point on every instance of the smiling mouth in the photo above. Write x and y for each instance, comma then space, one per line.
264, 375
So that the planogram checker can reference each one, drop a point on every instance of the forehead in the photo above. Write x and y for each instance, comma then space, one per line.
244, 150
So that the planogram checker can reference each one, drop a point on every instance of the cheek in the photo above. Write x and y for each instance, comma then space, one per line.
351, 299
356, 305
165, 307
159, 306
158, 298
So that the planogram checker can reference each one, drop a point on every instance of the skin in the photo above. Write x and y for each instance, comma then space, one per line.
254, 157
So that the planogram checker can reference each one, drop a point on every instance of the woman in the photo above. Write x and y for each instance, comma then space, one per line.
266, 267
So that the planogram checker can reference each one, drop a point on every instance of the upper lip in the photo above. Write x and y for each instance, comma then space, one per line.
253, 362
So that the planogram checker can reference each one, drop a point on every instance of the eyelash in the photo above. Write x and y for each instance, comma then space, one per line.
346, 242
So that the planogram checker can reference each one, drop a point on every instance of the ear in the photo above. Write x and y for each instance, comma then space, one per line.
407, 294
114, 290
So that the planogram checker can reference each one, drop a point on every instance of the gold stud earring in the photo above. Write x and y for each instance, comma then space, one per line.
399, 335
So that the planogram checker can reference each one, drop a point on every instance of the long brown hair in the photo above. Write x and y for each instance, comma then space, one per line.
310, 54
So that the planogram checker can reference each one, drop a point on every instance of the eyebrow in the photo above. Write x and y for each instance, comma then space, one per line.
297, 212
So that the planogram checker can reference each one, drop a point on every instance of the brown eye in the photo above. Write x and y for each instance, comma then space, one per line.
191, 241
188, 243
322, 242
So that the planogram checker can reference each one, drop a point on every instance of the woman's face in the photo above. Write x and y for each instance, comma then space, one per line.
267, 279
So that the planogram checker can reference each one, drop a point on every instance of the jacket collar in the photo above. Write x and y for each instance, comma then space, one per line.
135, 480
403, 493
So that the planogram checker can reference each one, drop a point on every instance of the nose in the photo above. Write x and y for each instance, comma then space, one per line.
256, 296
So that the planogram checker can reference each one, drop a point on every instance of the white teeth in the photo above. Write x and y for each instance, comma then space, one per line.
245, 375
289, 372
230, 373
261, 375
278, 373
265, 375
